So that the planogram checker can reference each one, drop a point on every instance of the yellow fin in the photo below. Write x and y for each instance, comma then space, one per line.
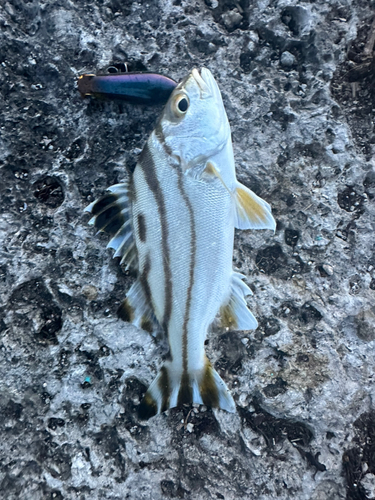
227, 318
234, 313
171, 388
210, 172
251, 211
213, 391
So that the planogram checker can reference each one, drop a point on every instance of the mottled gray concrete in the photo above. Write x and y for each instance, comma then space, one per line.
297, 78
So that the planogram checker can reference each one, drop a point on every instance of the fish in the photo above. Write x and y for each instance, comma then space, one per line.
135, 87
173, 222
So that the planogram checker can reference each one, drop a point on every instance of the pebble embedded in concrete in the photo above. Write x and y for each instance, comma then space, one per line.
287, 60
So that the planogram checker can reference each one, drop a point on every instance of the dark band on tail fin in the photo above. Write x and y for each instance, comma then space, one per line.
174, 388
164, 387
148, 408
208, 388
185, 394
157, 397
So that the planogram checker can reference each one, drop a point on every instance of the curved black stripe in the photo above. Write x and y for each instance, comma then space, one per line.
144, 279
193, 251
161, 137
147, 164
141, 227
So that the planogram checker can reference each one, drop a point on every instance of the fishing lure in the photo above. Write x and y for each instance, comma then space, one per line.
174, 223
138, 88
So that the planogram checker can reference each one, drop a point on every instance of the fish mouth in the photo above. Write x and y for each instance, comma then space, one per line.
203, 79
203, 87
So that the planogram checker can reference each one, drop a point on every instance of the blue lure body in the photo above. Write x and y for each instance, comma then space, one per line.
137, 88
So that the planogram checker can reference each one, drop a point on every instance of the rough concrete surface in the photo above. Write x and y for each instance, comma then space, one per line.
297, 79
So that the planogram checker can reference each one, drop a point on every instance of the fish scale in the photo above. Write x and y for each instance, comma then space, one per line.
213, 269
145, 203
176, 241
185, 202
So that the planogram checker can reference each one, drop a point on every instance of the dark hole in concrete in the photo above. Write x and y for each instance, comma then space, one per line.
291, 237
48, 191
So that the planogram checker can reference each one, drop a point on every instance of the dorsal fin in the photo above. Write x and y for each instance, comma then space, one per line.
112, 215
234, 313
137, 310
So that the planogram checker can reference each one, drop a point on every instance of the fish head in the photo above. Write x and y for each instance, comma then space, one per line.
194, 124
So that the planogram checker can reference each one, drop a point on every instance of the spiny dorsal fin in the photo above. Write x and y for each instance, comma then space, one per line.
234, 314
251, 211
112, 215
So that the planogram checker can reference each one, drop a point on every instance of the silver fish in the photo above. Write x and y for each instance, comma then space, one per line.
174, 223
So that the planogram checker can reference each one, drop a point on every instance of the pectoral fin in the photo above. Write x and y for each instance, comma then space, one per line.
234, 314
251, 211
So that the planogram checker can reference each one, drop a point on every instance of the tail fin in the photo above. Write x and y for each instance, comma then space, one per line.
173, 388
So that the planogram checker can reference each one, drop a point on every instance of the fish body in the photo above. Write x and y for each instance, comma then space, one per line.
177, 227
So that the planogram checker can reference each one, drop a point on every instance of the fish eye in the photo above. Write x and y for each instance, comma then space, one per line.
180, 105
183, 105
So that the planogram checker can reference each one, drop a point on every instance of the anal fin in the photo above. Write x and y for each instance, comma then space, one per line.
234, 314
